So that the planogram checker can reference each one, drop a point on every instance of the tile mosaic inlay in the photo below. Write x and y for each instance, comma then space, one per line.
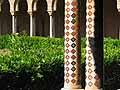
92, 79
72, 47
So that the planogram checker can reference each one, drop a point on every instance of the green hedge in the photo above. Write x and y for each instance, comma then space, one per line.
111, 50
31, 54
42, 58
18, 52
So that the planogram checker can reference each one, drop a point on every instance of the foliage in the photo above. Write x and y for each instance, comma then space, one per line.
41, 58
111, 50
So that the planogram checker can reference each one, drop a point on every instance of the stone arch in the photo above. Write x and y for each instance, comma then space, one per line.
34, 5
5, 18
58, 18
23, 17
42, 19
1, 1
111, 19
16, 5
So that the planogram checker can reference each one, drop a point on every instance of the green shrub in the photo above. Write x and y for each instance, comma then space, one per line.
36, 51
31, 53
43, 57
111, 50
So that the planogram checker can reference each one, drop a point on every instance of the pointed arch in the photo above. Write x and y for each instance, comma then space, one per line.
16, 5
42, 19
5, 18
58, 18
1, 1
23, 16
34, 5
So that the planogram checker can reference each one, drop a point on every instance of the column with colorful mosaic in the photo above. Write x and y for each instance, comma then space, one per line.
92, 77
72, 47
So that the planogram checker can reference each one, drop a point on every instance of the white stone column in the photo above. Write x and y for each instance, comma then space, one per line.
72, 57
119, 32
14, 24
0, 25
32, 25
52, 32
51, 26
92, 77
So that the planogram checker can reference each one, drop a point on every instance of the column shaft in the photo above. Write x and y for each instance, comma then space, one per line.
119, 33
51, 26
14, 24
92, 77
0, 26
72, 47
32, 25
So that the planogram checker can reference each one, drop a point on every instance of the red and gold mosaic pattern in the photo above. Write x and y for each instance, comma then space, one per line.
72, 47
92, 79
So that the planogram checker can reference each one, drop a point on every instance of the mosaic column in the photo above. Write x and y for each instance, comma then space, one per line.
92, 77
72, 47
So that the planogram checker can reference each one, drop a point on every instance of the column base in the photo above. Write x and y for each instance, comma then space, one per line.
71, 89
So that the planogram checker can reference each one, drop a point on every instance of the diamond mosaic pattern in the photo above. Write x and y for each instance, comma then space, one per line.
73, 33
73, 62
67, 74
67, 68
89, 20
67, 3
67, 33
67, 63
89, 64
73, 27
89, 70
73, 21
67, 51
67, 57
73, 81
68, 15
91, 75
67, 45
74, 3
74, 9
73, 15
67, 39
67, 80
73, 45
73, 69
71, 39
67, 21
73, 75
90, 84
73, 57
67, 27
73, 51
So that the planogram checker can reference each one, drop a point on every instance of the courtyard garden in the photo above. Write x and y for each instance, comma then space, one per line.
37, 63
